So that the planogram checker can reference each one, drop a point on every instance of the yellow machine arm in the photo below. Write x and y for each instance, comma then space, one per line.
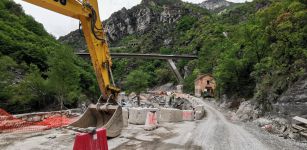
87, 12
106, 113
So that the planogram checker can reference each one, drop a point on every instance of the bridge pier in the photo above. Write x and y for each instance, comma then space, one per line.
175, 70
168, 58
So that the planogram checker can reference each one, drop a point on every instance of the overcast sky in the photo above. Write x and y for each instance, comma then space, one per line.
59, 25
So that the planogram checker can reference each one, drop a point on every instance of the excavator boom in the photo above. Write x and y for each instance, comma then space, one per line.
106, 113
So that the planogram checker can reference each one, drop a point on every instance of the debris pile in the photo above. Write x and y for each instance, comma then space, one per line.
300, 126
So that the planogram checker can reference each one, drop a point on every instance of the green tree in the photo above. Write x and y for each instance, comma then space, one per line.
164, 75
137, 81
189, 81
6, 77
64, 76
186, 23
32, 90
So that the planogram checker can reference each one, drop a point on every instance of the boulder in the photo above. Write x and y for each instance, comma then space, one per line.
262, 122
199, 115
199, 108
36, 118
247, 112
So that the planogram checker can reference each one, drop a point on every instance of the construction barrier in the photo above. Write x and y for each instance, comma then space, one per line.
137, 116
151, 121
125, 116
187, 115
170, 115
92, 141
10, 123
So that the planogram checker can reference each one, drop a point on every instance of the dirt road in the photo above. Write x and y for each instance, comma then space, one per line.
217, 133
214, 132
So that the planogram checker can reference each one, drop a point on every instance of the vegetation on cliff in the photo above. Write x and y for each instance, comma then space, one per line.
254, 50
258, 54
36, 71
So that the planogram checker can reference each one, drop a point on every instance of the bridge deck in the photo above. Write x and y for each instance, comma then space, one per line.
147, 56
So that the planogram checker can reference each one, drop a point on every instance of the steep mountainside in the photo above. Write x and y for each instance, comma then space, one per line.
37, 72
150, 27
294, 101
255, 50
155, 17
215, 5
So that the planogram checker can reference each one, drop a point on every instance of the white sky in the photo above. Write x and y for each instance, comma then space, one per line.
59, 25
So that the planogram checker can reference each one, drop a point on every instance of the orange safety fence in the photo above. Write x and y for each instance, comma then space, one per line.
9, 123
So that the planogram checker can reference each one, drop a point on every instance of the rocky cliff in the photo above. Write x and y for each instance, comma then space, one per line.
144, 18
294, 101
215, 4
153, 26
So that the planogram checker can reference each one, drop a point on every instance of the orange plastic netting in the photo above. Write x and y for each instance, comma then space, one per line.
9, 123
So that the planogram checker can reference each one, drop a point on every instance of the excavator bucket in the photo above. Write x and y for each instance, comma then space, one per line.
110, 118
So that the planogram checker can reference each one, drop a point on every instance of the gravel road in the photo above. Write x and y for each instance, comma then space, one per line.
214, 132
217, 133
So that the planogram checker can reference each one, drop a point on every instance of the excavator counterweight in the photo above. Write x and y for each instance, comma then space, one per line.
106, 113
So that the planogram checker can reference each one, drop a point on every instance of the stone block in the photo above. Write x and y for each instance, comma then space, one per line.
199, 115
199, 108
170, 115
187, 115
36, 118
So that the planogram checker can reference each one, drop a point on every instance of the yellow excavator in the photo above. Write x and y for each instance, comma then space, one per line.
106, 113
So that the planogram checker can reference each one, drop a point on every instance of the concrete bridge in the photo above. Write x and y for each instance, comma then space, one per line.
169, 59
146, 56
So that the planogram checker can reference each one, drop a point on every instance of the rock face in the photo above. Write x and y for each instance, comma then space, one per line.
215, 4
143, 18
247, 111
294, 101
140, 19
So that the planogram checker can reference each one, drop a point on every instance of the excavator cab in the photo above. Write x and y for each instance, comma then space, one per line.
106, 113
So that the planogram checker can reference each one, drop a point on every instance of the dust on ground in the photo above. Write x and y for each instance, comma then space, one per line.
213, 132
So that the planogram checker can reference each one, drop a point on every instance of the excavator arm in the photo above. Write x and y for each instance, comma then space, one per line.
87, 12
106, 113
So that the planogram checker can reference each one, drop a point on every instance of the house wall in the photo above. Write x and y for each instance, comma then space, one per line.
201, 83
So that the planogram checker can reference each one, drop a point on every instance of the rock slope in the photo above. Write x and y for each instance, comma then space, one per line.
146, 17
215, 4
